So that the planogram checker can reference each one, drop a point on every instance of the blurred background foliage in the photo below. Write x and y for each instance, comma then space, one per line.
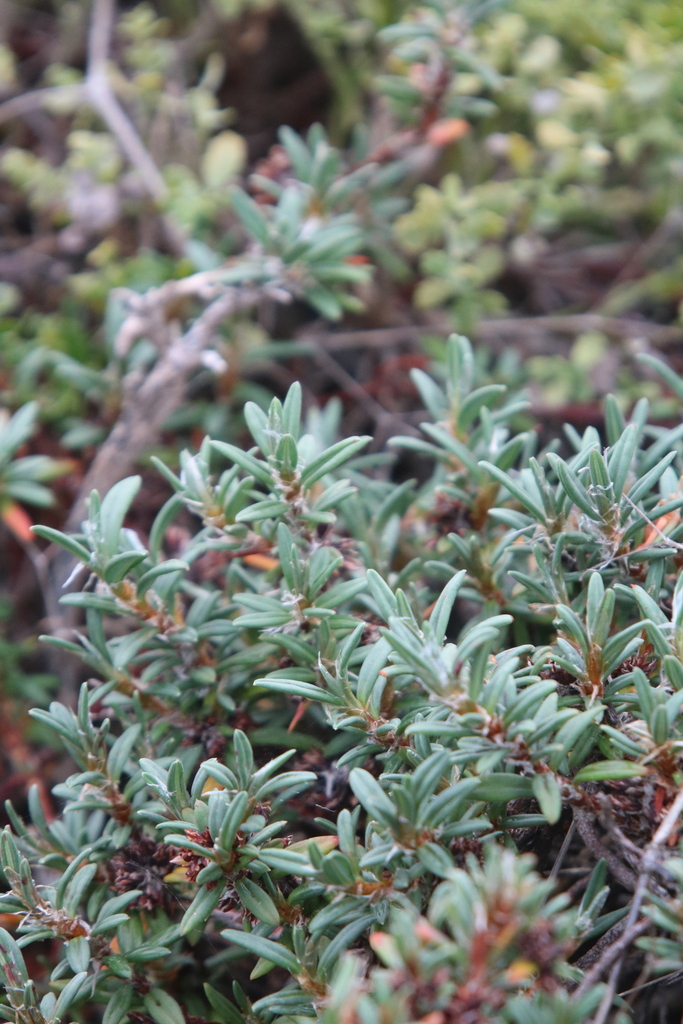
550, 183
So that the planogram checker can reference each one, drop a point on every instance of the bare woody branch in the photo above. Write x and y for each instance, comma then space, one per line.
102, 97
151, 397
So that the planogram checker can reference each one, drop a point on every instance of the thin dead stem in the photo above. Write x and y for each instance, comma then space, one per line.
533, 334
566, 843
632, 927
667, 540
358, 392
104, 100
96, 90
28, 102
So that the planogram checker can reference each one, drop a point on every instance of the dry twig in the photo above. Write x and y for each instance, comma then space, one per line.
586, 828
533, 333
28, 102
519, 329
101, 95
610, 947
151, 397
364, 399
615, 954
566, 843
97, 91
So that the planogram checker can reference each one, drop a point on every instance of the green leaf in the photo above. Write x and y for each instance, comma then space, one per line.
621, 457
273, 951
441, 613
17, 430
120, 565
69, 874
516, 490
475, 401
222, 1009
145, 954
297, 151
153, 574
298, 689
118, 1005
373, 798
245, 461
503, 786
113, 511
383, 595
201, 908
116, 904
250, 215
343, 940
645, 484
78, 887
430, 393
331, 459
234, 817
291, 411
374, 662
325, 301
600, 770
224, 158
257, 902
453, 446
70, 993
78, 954
573, 487
664, 371
11, 954
163, 1007
68, 543
547, 792
288, 861
121, 750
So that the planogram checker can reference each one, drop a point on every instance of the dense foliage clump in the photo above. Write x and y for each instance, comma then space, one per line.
334, 719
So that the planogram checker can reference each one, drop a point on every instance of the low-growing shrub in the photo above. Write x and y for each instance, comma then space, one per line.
349, 742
